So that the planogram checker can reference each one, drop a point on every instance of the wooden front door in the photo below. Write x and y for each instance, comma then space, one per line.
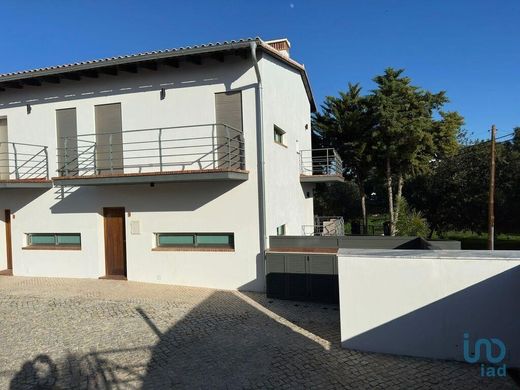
115, 242
8, 243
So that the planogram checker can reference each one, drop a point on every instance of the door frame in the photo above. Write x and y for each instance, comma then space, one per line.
8, 238
105, 210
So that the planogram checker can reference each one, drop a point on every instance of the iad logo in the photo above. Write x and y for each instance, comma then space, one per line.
495, 351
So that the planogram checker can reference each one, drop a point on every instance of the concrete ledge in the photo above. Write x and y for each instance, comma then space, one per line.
33, 183
321, 179
431, 254
153, 177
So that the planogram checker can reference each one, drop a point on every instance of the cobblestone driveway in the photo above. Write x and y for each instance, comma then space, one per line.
90, 334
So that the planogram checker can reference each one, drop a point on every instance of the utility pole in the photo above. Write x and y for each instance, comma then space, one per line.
491, 204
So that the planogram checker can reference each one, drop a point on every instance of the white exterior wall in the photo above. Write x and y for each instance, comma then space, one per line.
285, 105
180, 207
420, 303
175, 207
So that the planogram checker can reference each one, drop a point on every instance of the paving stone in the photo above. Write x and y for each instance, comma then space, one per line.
91, 334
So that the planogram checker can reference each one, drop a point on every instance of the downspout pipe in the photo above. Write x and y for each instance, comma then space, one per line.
260, 152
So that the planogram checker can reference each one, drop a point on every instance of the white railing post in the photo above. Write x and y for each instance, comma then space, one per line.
65, 156
228, 147
95, 160
16, 173
160, 151
242, 152
45, 152
214, 144
110, 153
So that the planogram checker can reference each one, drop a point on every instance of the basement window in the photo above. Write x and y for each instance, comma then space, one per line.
195, 241
279, 136
53, 241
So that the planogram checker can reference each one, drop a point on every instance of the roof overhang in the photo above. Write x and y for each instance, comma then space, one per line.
149, 60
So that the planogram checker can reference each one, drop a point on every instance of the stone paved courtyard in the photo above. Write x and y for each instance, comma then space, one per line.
100, 334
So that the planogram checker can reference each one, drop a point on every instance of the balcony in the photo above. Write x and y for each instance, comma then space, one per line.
320, 166
212, 152
325, 226
24, 166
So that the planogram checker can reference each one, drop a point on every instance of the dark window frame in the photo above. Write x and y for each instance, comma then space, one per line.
280, 133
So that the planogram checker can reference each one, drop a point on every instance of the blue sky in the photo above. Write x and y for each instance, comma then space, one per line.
470, 48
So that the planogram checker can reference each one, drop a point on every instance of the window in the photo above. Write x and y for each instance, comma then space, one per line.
280, 230
196, 240
67, 131
54, 240
279, 135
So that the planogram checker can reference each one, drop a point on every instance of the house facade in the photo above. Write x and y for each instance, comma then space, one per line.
167, 167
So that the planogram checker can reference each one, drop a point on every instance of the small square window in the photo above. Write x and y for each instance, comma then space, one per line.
280, 230
279, 136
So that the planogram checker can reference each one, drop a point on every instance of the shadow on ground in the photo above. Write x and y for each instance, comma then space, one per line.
243, 340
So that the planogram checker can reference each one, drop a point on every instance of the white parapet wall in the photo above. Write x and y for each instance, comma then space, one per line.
422, 303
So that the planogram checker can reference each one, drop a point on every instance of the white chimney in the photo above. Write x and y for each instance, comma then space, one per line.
282, 45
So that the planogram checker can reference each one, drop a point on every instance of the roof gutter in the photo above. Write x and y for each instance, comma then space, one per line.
260, 151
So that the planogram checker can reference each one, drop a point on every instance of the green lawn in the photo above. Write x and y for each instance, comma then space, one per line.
470, 240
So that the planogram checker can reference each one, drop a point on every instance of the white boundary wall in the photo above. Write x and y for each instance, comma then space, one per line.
420, 303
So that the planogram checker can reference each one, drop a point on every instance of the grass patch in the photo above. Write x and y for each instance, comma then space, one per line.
470, 240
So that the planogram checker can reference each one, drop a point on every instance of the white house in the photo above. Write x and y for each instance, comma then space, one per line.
171, 166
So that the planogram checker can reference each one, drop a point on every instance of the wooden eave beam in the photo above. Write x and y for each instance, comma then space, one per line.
33, 82
152, 65
130, 68
112, 71
218, 56
93, 74
172, 62
197, 60
71, 76
51, 79
14, 85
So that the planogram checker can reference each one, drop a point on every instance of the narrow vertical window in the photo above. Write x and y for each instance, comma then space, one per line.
67, 134
279, 136
109, 139
4, 150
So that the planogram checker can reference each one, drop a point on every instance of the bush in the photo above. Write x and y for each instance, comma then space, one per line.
411, 222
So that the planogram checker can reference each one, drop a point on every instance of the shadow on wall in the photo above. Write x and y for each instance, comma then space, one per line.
140, 197
257, 284
489, 309
16, 199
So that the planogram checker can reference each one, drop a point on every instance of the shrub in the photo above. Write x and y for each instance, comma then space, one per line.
411, 222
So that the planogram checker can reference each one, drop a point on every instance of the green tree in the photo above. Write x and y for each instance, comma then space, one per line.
345, 124
406, 137
454, 194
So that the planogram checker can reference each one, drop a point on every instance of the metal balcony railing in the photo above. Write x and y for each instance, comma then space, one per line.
322, 162
325, 226
19, 161
166, 149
